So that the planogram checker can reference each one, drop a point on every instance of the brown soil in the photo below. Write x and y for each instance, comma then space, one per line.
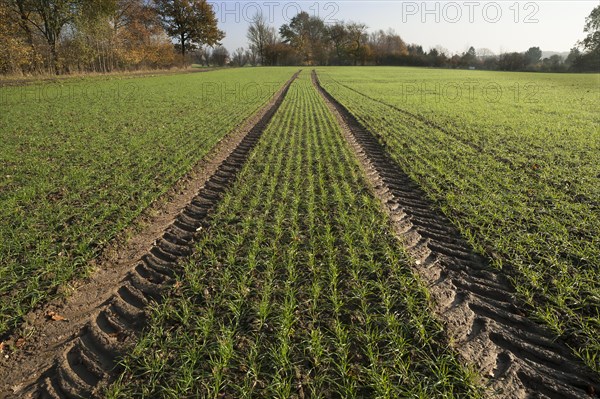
70, 348
516, 357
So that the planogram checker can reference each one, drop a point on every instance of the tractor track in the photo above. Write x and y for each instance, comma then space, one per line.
516, 357
88, 359
509, 163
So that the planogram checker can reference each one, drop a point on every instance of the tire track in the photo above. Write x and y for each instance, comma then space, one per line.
516, 357
91, 359
568, 192
433, 125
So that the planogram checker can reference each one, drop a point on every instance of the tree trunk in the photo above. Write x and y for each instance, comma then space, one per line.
54, 56
24, 23
183, 50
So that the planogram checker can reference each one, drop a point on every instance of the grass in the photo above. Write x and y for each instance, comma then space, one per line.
81, 158
514, 160
297, 287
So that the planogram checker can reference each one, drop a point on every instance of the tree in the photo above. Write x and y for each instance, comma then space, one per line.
592, 27
511, 62
337, 35
279, 53
140, 37
469, 58
388, 47
357, 41
307, 35
49, 17
205, 55
23, 12
260, 35
15, 52
192, 22
553, 64
573, 58
533, 55
239, 57
483, 53
219, 56
437, 57
251, 57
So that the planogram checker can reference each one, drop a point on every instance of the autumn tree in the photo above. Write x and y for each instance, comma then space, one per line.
192, 22
50, 17
388, 47
357, 42
141, 39
15, 52
338, 36
307, 35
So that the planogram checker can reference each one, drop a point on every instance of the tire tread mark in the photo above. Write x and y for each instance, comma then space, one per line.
90, 362
507, 347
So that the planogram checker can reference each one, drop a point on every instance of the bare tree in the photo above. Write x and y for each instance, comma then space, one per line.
219, 56
251, 57
239, 57
484, 53
260, 36
205, 55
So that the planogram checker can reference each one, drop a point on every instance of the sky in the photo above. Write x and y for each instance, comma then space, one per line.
500, 26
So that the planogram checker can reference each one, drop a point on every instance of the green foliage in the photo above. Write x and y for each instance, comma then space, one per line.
533, 55
514, 161
81, 159
298, 287
592, 27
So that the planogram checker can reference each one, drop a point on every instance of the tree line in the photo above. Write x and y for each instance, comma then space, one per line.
308, 40
78, 36
73, 36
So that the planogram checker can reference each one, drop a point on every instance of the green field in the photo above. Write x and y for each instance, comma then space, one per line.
297, 284
514, 161
80, 159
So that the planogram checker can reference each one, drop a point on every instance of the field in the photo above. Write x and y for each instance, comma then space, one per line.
80, 160
375, 232
514, 161
297, 282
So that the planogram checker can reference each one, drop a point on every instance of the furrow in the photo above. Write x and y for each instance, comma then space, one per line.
90, 361
516, 357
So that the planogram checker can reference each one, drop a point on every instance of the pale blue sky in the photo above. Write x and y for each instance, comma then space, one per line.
455, 25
